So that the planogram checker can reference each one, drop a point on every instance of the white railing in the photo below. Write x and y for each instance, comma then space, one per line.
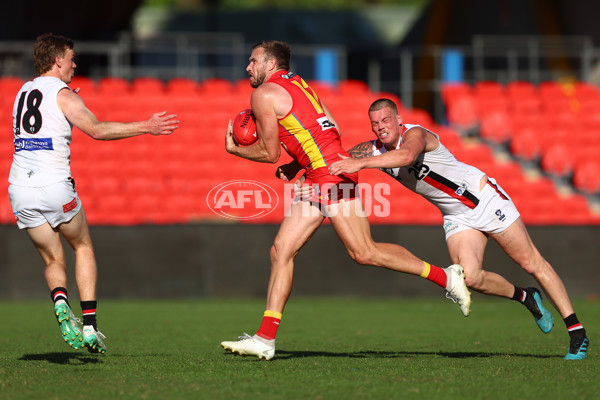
408, 72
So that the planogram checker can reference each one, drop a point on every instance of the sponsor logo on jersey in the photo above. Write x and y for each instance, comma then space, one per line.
33, 144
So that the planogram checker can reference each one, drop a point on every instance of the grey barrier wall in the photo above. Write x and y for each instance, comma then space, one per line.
220, 260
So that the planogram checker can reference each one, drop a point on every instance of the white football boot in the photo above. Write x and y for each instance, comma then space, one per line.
456, 289
251, 346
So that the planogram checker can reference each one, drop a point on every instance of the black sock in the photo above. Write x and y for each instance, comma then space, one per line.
59, 293
574, 326
525, 297
88, 308
519, 294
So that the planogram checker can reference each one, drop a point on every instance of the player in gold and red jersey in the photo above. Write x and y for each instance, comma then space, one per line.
289, 112
310, 135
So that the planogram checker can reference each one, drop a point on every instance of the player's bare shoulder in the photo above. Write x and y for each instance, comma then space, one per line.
362, 150
69, 102
273, 96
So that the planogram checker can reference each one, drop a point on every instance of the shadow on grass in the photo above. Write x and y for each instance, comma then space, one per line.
283, 354
63, 358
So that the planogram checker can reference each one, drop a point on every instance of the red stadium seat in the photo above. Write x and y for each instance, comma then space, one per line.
182, 87
351, 87
494, 127
557, 105
518, 89
86, 85
505, 172
452, 91
416, 116
217, 87
586, 91
488, 90
586, 177
557, 160
10, 85
324, 91
525, 105
489, 105
242, 88
553, 90
113, 86
462, 113
6, 213
573, 210
146, 86
589, 109
476, 155
525, 145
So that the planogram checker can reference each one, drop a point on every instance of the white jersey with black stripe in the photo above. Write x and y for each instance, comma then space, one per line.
447, 183
42, 135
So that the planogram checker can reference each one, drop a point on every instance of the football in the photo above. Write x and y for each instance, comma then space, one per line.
244, 128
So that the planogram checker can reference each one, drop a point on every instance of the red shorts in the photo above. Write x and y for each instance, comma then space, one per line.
332, 188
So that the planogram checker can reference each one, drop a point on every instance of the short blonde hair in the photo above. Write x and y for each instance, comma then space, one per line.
382, 103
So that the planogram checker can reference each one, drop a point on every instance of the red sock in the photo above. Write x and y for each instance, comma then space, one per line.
435, 274
270, 323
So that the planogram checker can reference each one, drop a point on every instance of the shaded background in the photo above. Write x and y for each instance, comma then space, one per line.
366, 29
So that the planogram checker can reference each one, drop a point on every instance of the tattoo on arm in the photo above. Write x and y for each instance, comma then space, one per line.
362, 150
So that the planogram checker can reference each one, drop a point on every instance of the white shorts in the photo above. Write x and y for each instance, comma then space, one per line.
494, 213
34, 206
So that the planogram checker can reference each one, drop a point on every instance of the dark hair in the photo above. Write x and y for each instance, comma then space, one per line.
46, 48
280, 51
382, 103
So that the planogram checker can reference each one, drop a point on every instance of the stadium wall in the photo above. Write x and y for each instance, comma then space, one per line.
217, 260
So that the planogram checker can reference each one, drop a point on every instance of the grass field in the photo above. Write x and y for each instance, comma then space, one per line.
326, 349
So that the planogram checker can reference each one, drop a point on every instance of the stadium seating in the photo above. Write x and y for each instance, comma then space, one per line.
554, 125
182, 87
10, 85
586, 177
85, 84
147, 87
113, 87
166, 180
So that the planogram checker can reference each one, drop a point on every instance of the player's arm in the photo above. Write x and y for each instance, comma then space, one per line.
287, 172
267, 148
362, 150
78, 114
413, 144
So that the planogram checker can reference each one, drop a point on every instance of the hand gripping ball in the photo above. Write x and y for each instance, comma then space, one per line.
244, 128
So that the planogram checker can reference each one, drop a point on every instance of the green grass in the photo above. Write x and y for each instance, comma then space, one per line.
326, 349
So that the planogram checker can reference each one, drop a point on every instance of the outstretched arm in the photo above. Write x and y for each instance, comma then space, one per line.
362, 156
79, 115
